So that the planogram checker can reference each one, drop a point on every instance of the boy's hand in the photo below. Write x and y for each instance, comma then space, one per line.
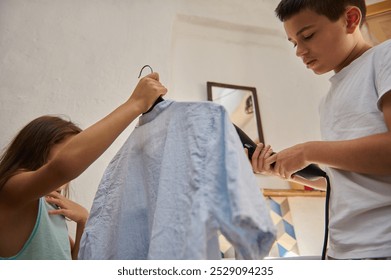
259, 161
289, 161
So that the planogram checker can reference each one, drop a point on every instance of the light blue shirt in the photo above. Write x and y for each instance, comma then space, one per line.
181, 178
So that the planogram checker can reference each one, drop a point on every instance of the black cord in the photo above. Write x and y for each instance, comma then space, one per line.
326, 220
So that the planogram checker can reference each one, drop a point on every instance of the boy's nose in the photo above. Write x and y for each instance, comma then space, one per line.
301, 50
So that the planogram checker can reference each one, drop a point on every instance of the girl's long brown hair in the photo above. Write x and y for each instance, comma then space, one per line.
30, 148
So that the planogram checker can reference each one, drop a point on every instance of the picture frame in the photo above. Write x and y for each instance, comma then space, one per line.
241, 103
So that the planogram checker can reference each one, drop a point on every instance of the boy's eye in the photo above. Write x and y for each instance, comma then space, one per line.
308, 36
293, 43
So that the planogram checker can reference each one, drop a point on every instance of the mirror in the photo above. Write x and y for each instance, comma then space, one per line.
241, 103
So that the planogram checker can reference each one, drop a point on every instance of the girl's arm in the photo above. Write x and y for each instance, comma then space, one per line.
83, 149
72, 211
76, 245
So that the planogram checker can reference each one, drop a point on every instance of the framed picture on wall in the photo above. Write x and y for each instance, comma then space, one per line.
377, 27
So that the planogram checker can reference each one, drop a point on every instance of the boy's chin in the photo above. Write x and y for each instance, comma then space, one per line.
320, 71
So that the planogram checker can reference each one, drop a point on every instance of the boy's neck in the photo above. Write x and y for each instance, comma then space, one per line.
361, 47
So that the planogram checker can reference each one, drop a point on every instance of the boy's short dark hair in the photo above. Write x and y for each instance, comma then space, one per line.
332, 9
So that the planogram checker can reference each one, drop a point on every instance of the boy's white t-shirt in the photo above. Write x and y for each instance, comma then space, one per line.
360, 204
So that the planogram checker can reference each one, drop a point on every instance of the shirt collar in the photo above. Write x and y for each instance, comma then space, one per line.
150, 116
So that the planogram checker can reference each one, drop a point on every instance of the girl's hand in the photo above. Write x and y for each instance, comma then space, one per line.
146, 92
67, 208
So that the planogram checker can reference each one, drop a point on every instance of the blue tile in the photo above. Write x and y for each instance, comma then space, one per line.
275, 207
281, 250
289, 229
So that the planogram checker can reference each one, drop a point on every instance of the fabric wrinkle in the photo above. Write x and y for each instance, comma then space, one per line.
179, 179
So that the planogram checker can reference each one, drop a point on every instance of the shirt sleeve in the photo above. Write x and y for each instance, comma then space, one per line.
383, 71
242, 214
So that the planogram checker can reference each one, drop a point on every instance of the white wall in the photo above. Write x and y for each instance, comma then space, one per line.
308, 219
370, 2
81, 59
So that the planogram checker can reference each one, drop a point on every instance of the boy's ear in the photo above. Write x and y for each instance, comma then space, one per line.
353, 18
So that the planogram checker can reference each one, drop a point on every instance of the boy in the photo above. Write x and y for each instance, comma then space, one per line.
355, 123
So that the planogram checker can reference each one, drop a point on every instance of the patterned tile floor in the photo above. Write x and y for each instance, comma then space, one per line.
286, 243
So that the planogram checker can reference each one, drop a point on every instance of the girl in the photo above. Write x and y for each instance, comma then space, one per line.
47, 154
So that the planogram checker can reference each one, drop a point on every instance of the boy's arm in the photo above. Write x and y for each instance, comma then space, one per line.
369, 155
319, 183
